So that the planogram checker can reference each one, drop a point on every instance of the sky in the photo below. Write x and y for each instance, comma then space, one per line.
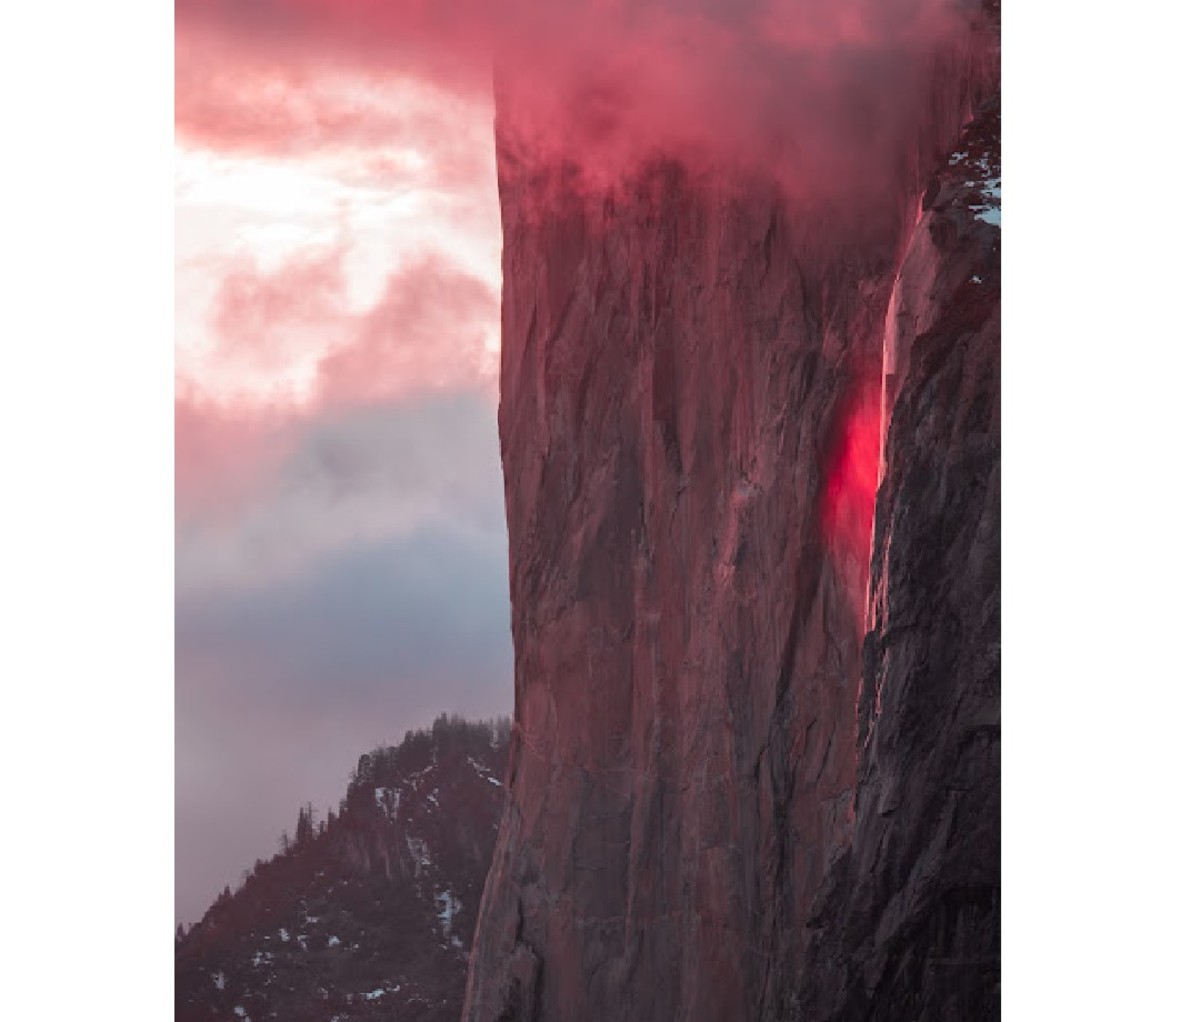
341, 557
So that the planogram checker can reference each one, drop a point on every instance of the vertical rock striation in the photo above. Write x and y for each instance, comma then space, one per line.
690, 422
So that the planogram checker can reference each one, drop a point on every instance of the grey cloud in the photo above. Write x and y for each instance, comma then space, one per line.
350, 476
431, 606
444, 445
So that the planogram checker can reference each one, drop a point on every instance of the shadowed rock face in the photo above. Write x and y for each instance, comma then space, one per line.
910, 925
690, 400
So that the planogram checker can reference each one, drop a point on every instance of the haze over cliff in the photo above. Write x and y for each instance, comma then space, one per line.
754, 771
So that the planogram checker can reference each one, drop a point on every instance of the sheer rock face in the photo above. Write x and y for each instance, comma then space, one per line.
909, 926
687, 642
690, 396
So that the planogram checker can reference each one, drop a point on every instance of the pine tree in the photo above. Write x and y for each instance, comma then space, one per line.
304, 826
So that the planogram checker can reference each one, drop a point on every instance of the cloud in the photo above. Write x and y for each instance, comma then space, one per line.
237, 94
807, 90
376, 621
263, 318
429, 331
283, 491
315, 201
221, 454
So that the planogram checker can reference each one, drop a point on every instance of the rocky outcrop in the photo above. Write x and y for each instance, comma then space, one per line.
690, 422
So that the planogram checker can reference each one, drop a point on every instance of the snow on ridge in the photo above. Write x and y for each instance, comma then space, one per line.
419, 851
448, 905
483, 771
975, 168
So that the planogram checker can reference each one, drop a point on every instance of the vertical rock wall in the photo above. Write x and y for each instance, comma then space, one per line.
690, 390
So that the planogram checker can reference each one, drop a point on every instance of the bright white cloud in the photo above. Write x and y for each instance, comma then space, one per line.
378, 205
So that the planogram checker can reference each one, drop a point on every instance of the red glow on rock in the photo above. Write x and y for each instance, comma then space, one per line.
851, 475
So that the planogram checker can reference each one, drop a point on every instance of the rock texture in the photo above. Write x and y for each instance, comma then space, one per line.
690, 421
367, 916
909, 927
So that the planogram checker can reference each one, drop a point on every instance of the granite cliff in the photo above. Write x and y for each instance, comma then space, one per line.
754, 764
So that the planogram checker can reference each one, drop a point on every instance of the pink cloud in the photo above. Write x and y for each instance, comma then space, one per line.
264, 317
425, 335
428, 331
815, 92
222, 455
238, 94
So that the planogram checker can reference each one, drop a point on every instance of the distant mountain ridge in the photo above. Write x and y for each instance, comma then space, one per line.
369, 914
